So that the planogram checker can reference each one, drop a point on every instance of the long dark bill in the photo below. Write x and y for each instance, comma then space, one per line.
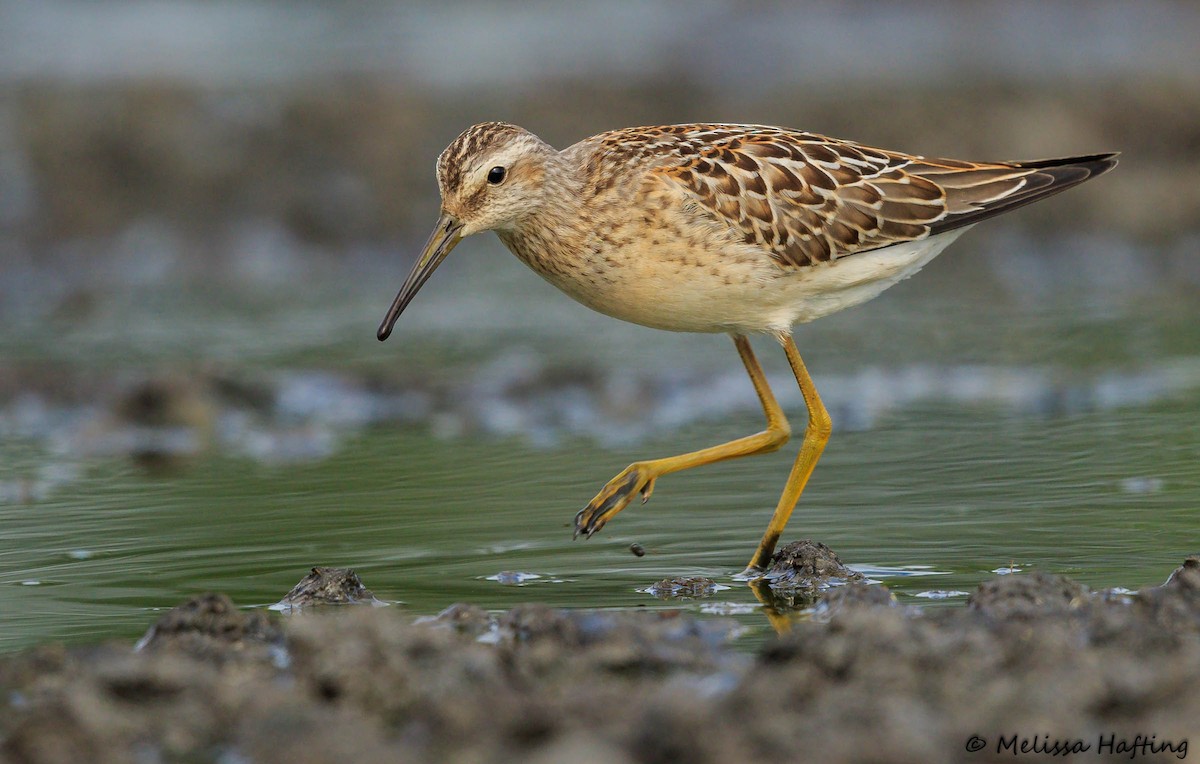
445, 236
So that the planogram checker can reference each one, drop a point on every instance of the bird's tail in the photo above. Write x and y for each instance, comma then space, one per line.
986, 190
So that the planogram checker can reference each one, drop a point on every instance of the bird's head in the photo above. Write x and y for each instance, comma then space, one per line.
491, 177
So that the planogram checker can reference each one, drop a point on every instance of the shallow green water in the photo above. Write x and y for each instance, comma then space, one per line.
931, 501
1082, 460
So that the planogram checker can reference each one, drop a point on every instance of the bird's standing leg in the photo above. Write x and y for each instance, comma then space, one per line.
816, 435
639, 477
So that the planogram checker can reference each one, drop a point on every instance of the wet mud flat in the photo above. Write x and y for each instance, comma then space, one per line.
1035, 665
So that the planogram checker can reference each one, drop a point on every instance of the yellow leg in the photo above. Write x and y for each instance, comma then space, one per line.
639, 477
816, 435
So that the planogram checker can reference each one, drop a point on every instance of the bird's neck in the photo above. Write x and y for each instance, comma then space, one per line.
540, 238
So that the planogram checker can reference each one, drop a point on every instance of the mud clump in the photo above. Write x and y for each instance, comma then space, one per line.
851, 597
1030, 596
869, 680
211, 627
469, 620
328, 586
683, 588
807, 566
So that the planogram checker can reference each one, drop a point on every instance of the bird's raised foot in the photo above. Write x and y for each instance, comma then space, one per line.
637, 478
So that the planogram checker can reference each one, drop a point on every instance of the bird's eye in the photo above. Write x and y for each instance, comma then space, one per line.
496, 175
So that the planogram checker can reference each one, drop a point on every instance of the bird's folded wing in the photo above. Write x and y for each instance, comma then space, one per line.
808, 199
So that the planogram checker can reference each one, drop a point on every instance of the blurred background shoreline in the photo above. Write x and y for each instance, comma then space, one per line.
186, 141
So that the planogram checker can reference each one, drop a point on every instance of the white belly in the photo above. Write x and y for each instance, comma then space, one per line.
854, 279
748, 294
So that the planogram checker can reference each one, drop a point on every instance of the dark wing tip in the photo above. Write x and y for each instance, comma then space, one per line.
1094, 164
1046, 177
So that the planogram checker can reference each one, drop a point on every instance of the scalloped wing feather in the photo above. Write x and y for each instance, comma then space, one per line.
807, 198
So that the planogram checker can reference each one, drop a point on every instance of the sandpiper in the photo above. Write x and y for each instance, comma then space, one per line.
742, 229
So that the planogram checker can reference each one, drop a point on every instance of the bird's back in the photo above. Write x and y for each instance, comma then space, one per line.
806, 198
